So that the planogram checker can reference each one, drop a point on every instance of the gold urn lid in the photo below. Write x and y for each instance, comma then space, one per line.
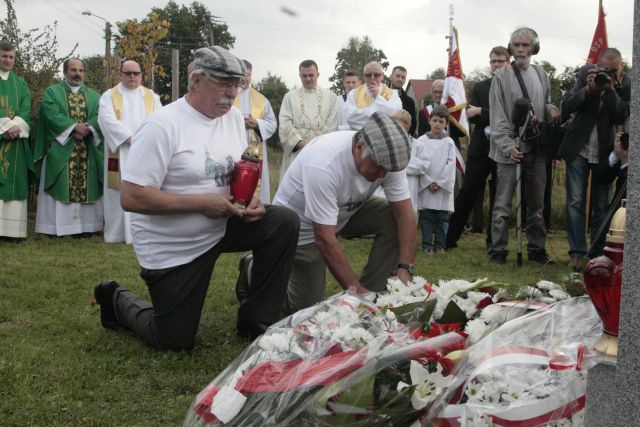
616, 229
253, 152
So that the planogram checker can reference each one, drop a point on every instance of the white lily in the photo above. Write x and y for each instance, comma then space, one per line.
428, 385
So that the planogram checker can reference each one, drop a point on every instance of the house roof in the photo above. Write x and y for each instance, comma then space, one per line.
419, 88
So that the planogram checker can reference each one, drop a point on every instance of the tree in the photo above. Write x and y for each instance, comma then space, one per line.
437, 74
36, 59
139, 41
95, 74
354, 56
274, 89
192, 27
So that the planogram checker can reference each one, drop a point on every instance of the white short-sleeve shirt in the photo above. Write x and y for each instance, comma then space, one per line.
323, 186
179, 150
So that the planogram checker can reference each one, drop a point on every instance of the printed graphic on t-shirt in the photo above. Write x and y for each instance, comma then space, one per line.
351, 206
220, 172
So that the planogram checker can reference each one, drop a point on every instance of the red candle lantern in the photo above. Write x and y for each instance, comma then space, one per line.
246, 175
603, 279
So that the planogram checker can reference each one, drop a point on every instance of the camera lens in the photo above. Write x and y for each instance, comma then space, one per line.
601, 78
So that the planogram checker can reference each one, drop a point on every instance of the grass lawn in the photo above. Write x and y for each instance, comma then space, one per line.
58, 366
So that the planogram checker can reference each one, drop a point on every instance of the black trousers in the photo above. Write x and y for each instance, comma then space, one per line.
475, 179
170, 321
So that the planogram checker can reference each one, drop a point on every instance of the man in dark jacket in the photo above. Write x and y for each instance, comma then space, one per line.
599, 102
479, 165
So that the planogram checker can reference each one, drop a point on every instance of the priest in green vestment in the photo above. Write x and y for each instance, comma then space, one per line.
69, 149
15, 155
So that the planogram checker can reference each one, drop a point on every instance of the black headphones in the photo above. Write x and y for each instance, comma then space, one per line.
536, 41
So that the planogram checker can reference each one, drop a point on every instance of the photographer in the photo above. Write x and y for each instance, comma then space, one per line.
599, 101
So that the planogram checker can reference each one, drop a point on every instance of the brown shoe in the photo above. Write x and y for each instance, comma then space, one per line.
576, 263
244, 276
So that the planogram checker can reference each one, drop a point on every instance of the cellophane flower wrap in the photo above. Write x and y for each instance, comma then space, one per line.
529, 372
380, 359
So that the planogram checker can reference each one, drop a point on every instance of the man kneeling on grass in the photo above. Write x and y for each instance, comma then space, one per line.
178, 186
330, 186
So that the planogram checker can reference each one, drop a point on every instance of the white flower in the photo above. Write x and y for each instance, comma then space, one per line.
476, 329
548, 286
428, 385
466, 305
496, 314
559, 294
475, 297
531, 292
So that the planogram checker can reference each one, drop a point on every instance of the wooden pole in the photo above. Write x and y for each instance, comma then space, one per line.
175, 74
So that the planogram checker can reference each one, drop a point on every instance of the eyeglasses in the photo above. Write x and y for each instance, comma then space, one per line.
497, 61
226, 84
131, 73
372, 75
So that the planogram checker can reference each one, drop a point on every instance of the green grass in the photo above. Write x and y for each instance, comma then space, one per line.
58, 366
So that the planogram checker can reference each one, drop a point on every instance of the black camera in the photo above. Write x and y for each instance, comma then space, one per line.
603, 75
624, 141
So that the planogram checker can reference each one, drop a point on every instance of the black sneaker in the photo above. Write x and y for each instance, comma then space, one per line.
103, 295
498, 258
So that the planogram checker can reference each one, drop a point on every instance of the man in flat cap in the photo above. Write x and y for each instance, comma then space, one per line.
183, 216
330, 186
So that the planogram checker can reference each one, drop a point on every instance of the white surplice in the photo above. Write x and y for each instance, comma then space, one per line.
267, 124
117, 223
305, 114
356, 117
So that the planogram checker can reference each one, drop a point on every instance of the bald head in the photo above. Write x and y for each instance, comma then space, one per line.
130, 74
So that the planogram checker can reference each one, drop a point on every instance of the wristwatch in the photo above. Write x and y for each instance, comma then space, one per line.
409, 267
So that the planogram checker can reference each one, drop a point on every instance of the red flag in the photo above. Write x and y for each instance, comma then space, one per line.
599, 42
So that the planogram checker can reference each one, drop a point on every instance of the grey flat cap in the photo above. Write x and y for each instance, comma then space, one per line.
390, 145
219, 62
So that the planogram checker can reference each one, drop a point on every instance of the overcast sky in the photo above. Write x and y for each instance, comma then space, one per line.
410, 32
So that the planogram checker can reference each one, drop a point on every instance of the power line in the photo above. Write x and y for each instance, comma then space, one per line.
67, 14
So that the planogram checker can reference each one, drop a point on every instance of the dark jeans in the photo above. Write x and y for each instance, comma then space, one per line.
433, 222
170, 321
475, 179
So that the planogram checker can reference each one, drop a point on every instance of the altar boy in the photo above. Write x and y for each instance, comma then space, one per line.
434, 163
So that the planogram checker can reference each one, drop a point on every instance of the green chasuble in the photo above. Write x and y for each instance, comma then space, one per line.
15, 154
73, 172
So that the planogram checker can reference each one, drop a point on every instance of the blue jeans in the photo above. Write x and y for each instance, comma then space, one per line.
433, 222
577, 173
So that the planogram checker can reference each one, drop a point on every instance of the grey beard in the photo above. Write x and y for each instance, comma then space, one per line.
522, 62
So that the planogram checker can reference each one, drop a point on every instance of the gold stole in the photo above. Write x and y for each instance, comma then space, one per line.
258, 105
113, 162
363, 99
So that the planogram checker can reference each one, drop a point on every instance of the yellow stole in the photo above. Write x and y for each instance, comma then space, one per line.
113, 162
257, 104
363, 99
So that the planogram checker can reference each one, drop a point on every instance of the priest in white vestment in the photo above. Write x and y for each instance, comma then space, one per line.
260, 124
122, 111
370, 97
305, 113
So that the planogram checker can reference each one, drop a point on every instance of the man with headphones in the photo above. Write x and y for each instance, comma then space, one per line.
529, 81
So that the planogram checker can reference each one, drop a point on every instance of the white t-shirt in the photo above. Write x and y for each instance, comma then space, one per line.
322, 185
181, 151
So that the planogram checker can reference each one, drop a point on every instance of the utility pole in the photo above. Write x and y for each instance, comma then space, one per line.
175, 74
107, 40
107, 48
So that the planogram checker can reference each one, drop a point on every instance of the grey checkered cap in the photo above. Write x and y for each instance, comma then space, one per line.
219, 62
390, 145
